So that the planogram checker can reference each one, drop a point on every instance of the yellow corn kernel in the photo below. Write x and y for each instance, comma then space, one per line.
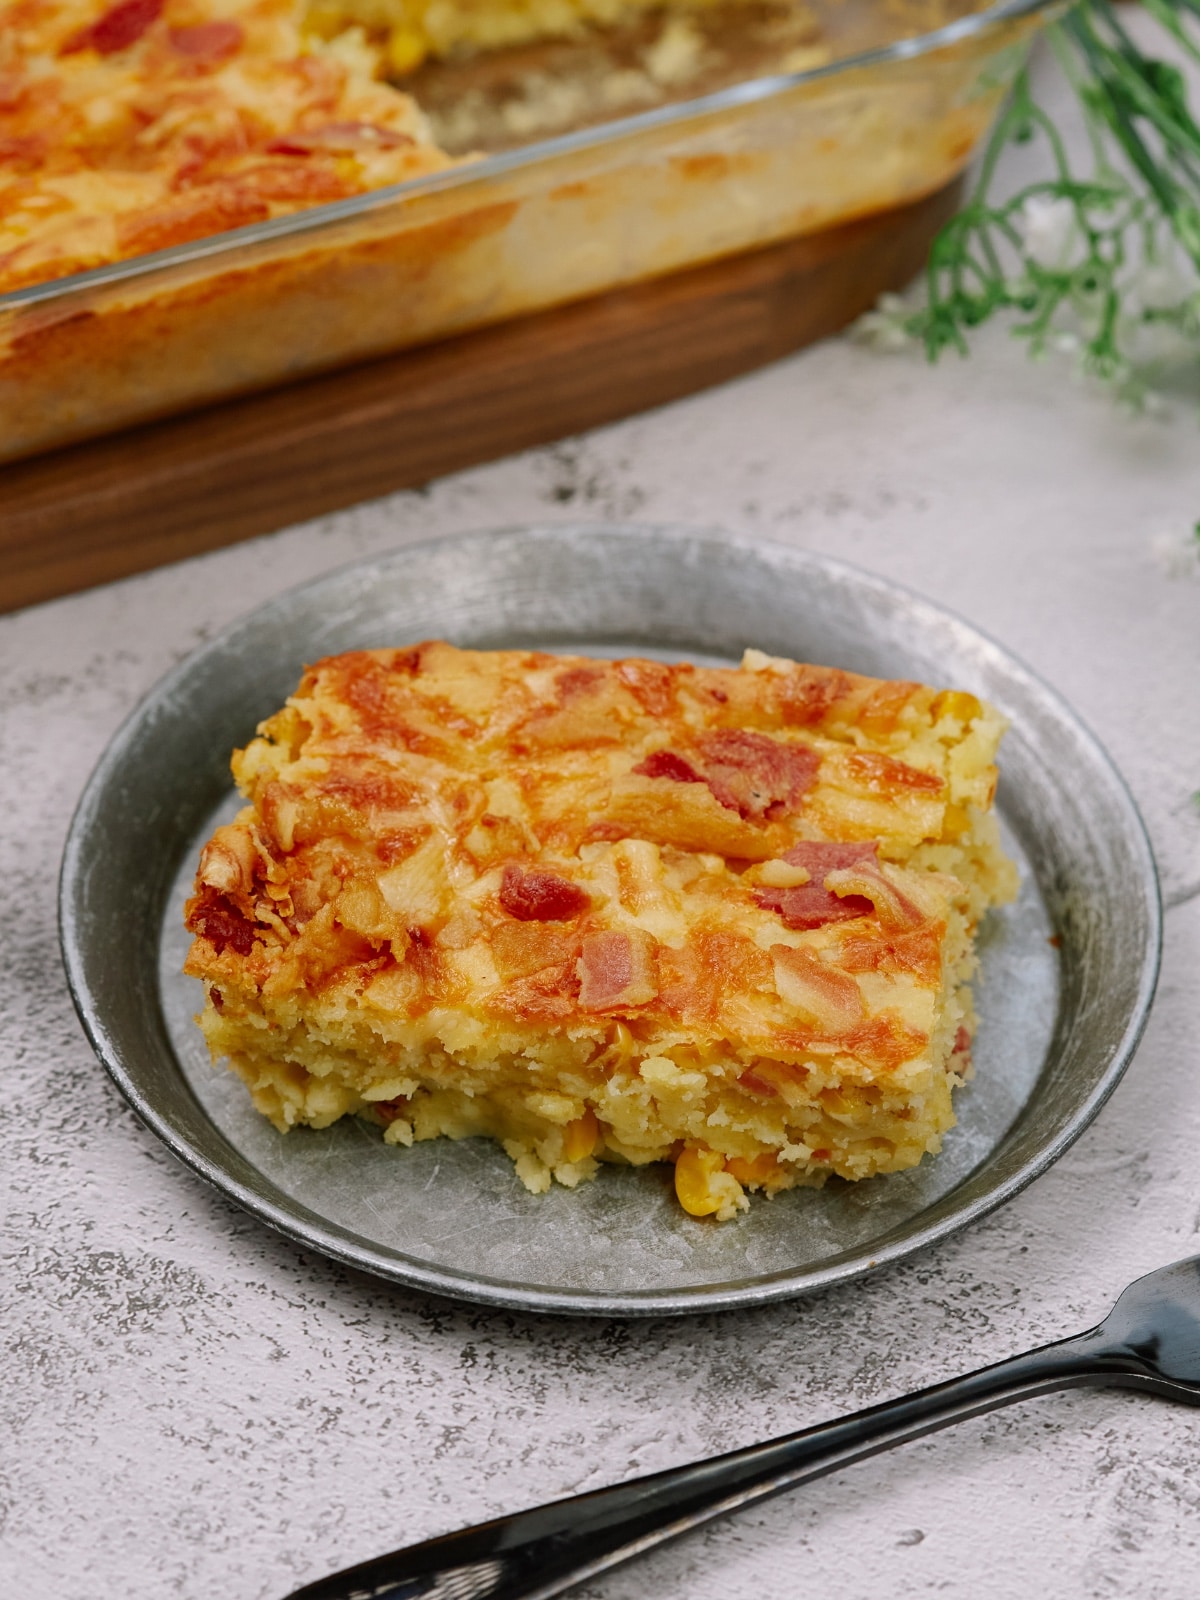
580, 1136
956, 703
752, 1170
406, 50
324, 20
956, 821
694, 1172
840, 1101
288, 730
883, 708
619, 1054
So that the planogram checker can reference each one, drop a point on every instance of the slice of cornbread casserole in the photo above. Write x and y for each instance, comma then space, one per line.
608, 910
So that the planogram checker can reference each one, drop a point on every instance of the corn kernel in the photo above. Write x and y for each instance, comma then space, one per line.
755, 1169
619, 1054
406, 50
580, 1136
884, 707
956, 703
324, 20
956, 821
839, 1100
694, 1172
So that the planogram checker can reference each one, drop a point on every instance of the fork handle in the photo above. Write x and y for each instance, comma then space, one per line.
535, 1554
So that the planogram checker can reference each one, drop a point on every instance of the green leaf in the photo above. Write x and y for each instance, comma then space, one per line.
1140, 204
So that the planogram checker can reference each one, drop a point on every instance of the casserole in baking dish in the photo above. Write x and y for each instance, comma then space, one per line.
204, 197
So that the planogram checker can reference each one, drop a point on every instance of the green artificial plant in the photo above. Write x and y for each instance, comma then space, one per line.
1099, 263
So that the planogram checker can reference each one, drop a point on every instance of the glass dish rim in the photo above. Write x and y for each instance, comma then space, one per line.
314, 218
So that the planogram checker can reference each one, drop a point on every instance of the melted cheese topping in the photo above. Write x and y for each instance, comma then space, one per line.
129, 127
677, 908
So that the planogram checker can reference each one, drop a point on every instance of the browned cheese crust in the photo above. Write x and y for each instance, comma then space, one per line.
131, 126
597, 909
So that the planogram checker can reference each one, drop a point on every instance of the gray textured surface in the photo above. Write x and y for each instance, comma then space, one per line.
193, 1407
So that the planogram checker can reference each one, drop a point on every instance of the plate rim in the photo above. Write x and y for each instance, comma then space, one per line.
309, 1229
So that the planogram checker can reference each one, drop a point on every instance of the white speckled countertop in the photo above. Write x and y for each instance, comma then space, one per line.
193, 1407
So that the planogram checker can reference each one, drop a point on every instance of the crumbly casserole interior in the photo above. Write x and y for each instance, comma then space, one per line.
608, 911
411, 30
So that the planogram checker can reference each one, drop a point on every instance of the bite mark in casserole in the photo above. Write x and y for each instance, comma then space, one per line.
608, 911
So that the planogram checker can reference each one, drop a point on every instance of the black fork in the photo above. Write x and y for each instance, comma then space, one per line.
1150, 1341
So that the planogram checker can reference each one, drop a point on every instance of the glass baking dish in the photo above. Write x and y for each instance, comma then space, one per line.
557, 220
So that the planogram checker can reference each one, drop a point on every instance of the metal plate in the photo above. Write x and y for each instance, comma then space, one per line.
1058, 1023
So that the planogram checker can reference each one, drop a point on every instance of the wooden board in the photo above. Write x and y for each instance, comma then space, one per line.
102, 510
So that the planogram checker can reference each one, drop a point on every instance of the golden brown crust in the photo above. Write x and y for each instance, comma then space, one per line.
410, 802
130, 126
689, 904
159, 340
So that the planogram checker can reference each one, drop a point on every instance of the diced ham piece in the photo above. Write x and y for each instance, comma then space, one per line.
115, 29
812, 905
821, 856
217, 919
24, 152
288, 181
755, 775
650, 681
541, 896
346, 137
746, 772
666, 764
578, 681
811, 986
209, 43
806, 693
751, 1080
616, 969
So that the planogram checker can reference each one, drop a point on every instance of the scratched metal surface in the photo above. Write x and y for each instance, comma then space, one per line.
1057, 1025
